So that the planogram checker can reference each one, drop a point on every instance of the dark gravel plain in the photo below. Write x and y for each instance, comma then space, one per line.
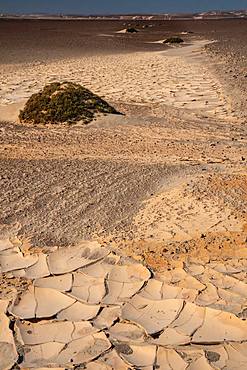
30, 40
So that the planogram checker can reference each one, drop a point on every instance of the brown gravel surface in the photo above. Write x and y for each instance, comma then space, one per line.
29, 40
229, 54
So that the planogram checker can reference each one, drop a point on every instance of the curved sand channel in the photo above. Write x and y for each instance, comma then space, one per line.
178, 78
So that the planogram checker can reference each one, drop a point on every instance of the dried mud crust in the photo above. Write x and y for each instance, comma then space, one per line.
86, 306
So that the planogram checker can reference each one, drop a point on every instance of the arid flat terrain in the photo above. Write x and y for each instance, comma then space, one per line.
161, 190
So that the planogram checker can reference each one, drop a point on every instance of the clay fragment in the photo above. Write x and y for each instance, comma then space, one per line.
51, 331
106, 317
170, 359
172, 337
24, 306
153, 316
50, 302
84, 349
125, 281
42, 355
79, 311
219, 326
137, 355
127, 332
8, 353
87, 288
16, 261
70, 259
62, 283
189, 319
39, 269
102, 268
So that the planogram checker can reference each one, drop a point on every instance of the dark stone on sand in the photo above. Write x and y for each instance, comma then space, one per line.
212, 356
124, 348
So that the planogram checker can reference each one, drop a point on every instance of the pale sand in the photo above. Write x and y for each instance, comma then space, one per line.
178, 213
178, 78
173, 85
182, 120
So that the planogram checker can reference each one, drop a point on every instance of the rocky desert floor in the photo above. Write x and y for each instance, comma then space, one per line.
160, 196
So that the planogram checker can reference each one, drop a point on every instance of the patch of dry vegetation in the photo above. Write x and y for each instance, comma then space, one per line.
174, 40
64, 102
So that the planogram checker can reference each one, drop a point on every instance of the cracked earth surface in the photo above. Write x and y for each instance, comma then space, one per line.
87, 306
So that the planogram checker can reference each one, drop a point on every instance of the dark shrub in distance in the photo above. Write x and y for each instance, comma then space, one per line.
173, 40
131, 30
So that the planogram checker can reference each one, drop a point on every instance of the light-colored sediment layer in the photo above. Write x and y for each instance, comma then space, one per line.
178, 78
188, 208
190, 317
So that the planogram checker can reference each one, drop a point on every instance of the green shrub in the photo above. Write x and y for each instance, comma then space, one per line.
63, 102
131, 30
173, 40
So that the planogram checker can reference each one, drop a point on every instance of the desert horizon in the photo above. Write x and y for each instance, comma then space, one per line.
214, 12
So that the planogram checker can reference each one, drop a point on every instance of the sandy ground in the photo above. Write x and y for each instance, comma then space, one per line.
137, 176
149, 78
162, 190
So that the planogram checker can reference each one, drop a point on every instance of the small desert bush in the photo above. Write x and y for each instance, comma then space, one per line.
131, 30
63, 102
173, 40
